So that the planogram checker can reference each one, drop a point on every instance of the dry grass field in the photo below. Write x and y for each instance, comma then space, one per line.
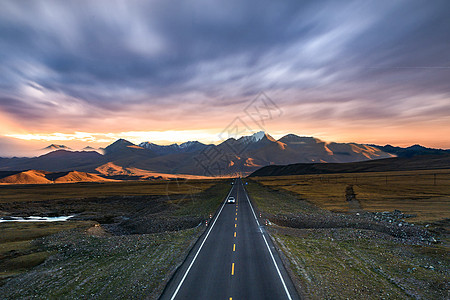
334, 251
422, 193
33, 192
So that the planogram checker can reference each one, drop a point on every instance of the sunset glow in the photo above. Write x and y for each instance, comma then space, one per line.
88, 73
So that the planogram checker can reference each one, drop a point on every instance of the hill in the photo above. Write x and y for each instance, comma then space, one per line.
425, 162
26, 177
44, 177
411, 151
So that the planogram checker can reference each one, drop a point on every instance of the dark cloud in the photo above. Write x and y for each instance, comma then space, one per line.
114, 55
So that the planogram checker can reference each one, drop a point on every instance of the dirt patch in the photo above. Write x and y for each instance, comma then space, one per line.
96, 230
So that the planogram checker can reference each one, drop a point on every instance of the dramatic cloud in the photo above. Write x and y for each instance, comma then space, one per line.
121, 66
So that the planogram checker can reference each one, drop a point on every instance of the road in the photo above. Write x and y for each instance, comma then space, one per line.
234, 259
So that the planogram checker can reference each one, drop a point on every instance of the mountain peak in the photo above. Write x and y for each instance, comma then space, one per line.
55, 147
118, 145
124, 141
189, 144
186, 147
121, 142
258, 135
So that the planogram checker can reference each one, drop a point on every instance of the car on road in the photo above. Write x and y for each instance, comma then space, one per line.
231, 200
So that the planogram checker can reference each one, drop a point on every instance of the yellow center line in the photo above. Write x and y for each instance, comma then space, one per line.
235, 219
236, 214
235, 234
232, 269
235, 225
234, 247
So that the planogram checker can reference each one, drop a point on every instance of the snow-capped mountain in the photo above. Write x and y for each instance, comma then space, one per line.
187, 147
254, 137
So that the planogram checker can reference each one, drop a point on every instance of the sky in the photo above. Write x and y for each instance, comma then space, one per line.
88, 72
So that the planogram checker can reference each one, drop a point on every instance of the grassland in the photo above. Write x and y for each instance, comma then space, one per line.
422, 193
333, 251
27, 193
18, 253
125, 240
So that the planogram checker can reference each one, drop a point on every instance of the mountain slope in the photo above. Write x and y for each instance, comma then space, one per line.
75, 176
411, 151
425, 162
112, 170
43, 177
27, 177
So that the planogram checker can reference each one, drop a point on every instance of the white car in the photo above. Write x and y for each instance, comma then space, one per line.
231, 200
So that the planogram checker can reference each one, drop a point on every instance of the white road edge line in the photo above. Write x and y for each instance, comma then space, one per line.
267, 245
198, 251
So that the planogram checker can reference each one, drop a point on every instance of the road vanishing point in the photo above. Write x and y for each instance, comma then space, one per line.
234, 259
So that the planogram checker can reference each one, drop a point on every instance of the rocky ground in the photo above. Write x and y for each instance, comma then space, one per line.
390, 223
102, 267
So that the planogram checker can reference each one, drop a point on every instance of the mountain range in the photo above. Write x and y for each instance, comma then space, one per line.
54, 147
233, 156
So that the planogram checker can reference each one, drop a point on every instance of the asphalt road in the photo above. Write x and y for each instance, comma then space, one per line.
234, 259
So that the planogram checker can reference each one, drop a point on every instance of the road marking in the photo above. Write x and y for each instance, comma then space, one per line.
200, 248
235, 225
236, 214
235, 234
234, 247
268, 248
235, 219
232, 269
